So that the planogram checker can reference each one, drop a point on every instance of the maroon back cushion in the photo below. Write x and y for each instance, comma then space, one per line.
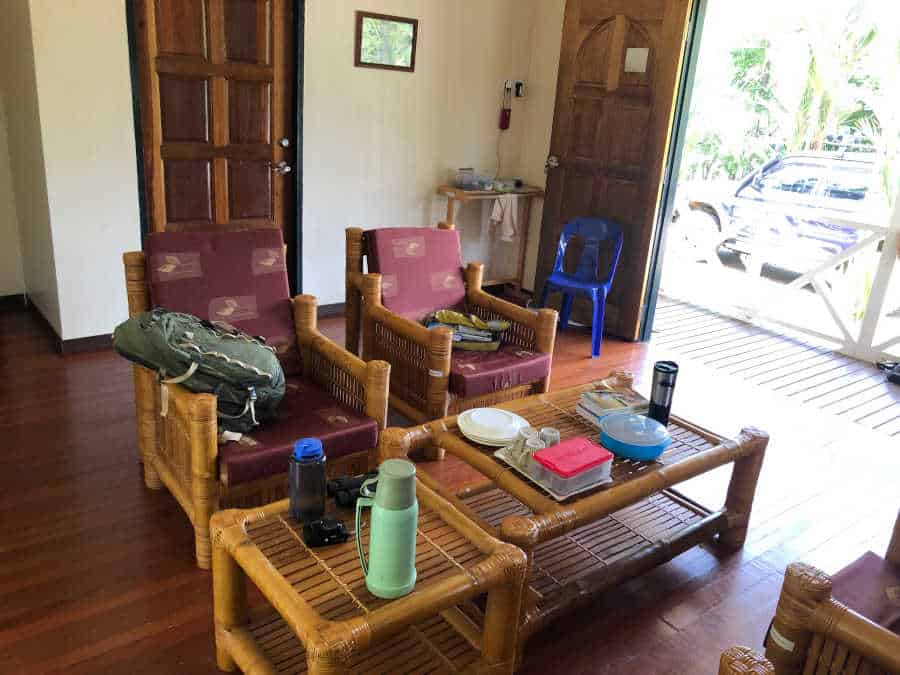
238, 277
421, 269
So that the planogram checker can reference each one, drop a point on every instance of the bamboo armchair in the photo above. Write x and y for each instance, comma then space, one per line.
814, 633
420, 357
180, 451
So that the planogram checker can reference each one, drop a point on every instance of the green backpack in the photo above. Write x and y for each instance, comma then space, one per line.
211, 358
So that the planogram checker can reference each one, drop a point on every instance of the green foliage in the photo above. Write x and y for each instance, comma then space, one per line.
809, 78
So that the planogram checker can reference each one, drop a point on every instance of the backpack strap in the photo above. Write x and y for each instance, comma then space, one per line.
164, 391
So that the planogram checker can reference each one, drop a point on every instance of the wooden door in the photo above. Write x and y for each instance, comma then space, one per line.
619, 66
218, 83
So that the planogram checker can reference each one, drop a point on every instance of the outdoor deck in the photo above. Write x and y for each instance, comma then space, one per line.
812, 374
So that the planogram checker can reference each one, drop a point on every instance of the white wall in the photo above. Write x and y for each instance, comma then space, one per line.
545, 42
26, 152
12, 279
67, 89
377, 143
84, 92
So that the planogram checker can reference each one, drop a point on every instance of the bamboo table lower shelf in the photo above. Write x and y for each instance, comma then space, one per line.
594, 540
322, 619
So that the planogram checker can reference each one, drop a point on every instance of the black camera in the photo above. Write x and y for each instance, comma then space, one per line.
324, 532
345, 489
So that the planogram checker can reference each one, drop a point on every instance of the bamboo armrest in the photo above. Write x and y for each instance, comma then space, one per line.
201, 423
372, 376
532, 330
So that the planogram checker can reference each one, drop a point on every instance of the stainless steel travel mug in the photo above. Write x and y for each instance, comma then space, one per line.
664, 375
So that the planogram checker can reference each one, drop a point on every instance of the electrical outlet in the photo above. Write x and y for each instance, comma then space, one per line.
519, 88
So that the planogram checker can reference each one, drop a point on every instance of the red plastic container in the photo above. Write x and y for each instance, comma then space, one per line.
573, 465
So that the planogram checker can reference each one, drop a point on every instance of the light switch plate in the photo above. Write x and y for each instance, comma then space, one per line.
636, 59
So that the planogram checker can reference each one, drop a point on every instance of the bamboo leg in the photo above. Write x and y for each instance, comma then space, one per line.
317, 665
743, 661
787, 643
352, 311
433, 453
501, 619
742, 489
229, 595
204, 479
352, 295
145, 387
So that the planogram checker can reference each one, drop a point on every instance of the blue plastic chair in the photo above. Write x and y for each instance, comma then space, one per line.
586, 279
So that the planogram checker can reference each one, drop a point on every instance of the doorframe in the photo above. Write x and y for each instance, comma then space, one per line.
295, 276
673, 163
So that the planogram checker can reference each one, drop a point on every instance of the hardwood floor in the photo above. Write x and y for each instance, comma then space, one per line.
97, 573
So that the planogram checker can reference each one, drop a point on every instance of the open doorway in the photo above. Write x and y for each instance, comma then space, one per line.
790, 158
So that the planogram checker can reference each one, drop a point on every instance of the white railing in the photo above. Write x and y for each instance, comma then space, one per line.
856, 339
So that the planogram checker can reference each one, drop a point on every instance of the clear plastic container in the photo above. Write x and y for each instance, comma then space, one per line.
571, 466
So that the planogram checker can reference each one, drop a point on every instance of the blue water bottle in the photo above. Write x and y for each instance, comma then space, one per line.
306, 480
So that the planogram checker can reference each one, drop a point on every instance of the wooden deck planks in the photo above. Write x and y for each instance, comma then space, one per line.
794, 367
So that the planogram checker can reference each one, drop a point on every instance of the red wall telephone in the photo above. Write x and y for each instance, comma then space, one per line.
506, 106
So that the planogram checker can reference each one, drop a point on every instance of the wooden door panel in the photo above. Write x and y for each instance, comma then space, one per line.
619, 63
189, 191
184, 108
247, 31
182, 28
249, 189
249, 111
217, 95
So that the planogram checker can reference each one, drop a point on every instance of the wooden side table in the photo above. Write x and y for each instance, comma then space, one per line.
599, 538
456, 197
322, 619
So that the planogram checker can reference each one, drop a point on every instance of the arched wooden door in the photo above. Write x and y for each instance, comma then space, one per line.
217, 94
619, 66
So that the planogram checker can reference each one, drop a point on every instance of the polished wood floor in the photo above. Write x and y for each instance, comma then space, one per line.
97, 573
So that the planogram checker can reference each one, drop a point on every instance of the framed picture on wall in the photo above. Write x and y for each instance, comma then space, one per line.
384, 41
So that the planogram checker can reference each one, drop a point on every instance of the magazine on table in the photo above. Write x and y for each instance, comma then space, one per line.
595, 405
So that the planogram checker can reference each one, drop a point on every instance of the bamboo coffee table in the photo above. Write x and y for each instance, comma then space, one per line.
321, 618
594, 540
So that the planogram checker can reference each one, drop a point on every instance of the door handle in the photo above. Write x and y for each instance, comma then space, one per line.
551, 163
281, 168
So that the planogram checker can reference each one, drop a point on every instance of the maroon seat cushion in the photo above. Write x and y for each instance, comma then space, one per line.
870, 586
238, 277
307, 411
480, 373
421, 269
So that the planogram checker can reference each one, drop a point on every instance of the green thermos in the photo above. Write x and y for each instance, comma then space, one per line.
391, 568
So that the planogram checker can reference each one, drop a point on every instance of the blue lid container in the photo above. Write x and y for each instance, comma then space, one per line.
634, 436
308, 449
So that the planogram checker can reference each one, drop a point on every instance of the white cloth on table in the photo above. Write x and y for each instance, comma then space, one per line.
506, 214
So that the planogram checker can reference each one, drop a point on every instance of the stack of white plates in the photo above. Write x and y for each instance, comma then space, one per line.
490, 426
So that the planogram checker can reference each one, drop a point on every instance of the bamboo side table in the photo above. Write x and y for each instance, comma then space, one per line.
322, 619
594, 540
457, 196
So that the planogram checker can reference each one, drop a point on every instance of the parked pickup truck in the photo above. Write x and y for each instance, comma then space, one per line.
786, 213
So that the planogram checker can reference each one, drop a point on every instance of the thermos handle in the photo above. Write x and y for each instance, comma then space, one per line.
363, 501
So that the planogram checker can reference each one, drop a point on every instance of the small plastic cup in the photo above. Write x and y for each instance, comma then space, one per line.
550, 436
